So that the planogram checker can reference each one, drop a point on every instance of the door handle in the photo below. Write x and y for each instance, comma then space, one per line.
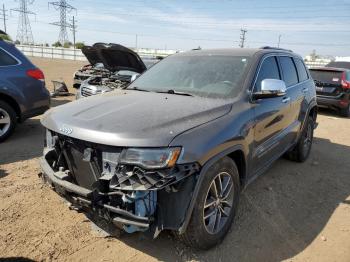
285, 99
305, 89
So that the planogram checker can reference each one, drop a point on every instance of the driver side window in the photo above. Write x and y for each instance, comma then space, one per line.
268, 70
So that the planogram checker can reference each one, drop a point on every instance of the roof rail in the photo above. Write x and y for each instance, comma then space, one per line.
275, 48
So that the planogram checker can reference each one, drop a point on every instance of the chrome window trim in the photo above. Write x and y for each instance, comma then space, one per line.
11, 55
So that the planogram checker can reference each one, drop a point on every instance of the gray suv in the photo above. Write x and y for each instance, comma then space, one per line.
174, 149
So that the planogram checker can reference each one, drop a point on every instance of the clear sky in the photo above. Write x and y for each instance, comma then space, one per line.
186, 24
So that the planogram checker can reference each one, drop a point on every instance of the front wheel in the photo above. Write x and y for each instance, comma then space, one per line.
216, 206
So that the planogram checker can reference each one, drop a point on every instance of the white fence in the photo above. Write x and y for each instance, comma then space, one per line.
310, 64
76, 54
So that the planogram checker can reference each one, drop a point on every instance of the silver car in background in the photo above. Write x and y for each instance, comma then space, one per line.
123, 65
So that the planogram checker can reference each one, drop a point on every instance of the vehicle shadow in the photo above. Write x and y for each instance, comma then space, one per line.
329, 112
17, 259
280, 213
27, 140
3, 173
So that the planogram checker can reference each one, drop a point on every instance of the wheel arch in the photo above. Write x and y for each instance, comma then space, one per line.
12, 102
313, 112
236, 153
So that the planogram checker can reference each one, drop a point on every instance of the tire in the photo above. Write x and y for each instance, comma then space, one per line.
8, 120
198, 234
345, 112
302, 149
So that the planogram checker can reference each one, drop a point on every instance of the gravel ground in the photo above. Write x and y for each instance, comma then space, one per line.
294, 212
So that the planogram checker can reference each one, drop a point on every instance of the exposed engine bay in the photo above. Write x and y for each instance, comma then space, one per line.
102, 84
88, 71
112, 66
94, 180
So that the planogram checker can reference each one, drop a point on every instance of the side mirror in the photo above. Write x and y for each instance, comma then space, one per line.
134, 77
271, 88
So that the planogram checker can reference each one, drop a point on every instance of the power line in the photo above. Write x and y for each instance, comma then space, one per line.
24, 31
228, 40
243, 38
64, 8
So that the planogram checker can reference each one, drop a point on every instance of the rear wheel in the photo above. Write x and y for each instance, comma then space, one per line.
302, 149
7, 120
345, 112
216, 206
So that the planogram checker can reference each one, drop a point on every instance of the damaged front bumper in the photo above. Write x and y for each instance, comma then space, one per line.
131, 210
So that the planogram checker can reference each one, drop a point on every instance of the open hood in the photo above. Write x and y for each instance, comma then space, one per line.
91, 55
117, 57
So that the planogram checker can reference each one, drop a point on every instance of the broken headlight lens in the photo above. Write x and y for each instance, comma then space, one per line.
151, 158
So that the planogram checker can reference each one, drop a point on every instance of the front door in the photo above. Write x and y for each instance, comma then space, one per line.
271, 119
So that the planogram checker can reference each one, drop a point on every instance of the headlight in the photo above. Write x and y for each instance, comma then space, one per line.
50, 140
151, 158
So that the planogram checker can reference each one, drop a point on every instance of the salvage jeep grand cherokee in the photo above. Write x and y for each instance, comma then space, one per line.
175, 148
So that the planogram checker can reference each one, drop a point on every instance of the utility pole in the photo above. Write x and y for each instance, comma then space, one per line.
136, 42
279, 40
3, 15
64, 8
24, 31
74, 30
243, 37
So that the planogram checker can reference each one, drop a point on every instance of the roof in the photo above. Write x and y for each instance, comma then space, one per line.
329, 69
339, 64
234, 51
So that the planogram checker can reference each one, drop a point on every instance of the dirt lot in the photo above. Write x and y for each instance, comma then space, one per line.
294, 212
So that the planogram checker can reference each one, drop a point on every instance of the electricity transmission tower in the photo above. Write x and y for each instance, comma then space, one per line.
243, 32
3, 16
24, 31
64, 8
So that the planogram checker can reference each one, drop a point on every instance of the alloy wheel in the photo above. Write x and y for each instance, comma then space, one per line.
5, 122
308, 138
218, 203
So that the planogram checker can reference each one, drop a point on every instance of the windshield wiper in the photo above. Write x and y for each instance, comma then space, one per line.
173, 92
137, 89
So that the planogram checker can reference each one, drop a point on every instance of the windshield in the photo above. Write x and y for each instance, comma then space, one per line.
214, 76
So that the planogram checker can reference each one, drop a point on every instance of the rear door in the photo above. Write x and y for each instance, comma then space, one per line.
297, 90
270, 118
328, 82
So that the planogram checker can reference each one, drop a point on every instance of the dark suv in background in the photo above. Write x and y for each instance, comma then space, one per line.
174, 149
22, 89
333, 88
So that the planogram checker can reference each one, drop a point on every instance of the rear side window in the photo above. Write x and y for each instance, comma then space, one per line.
301, 70
268, 70
6, 59
289, 71
348, 75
